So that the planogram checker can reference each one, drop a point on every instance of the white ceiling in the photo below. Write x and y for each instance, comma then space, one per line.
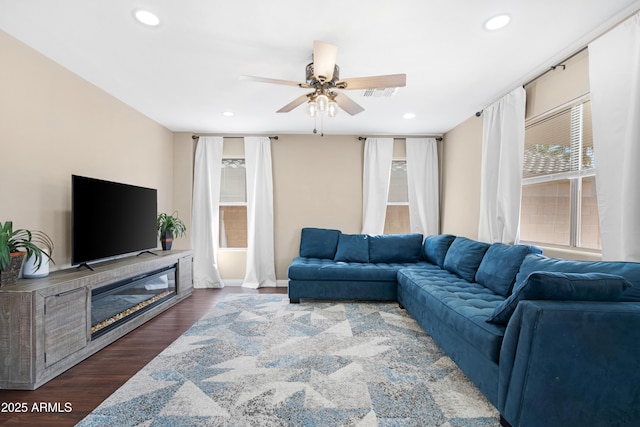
185, 72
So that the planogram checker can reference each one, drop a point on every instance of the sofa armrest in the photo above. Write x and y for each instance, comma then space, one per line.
571, 363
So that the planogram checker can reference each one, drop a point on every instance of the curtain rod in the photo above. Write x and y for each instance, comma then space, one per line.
437, 137
276, 137
545, 72
553, 67
621, 18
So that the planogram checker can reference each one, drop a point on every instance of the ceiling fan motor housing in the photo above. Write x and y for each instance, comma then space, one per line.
313, 82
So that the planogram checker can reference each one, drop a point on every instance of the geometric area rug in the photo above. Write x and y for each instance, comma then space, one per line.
256, 360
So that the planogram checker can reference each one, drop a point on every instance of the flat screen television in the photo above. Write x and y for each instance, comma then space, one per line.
110, 219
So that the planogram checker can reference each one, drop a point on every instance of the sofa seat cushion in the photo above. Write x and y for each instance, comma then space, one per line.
461, 305
323, 269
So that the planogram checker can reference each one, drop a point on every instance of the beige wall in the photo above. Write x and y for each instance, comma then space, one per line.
317, 183
460, 186
54, 124
183, 159
559, 86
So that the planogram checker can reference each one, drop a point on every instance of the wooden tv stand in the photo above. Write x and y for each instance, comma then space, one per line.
45, 324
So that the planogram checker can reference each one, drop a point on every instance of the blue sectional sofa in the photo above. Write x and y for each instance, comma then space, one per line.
549, 342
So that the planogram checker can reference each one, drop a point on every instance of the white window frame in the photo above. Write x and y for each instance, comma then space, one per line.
398, 159
575, 178
224, 204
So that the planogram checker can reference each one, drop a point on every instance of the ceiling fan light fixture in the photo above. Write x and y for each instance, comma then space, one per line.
332, 109
147, 18
322, 102
312, 108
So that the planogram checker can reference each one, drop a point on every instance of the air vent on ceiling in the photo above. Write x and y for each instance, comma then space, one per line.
380, 92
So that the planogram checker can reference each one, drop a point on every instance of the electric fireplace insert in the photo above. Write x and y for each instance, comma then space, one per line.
119, 302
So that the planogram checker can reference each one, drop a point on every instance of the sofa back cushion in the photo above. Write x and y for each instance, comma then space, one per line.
464, 257
319, 243
547, 285
435, 248
628, 270
500, 264
395, 248
352, 248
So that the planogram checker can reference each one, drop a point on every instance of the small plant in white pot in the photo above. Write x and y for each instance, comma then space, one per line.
170, 227
15, 245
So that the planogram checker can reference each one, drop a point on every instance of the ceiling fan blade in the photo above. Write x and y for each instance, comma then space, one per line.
391, 80
324, 60
276, 81
348, 104
293, 104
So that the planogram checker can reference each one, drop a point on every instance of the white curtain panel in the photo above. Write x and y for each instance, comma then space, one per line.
378, 153
423, 185
260, 229
614, 74
205, 216
501, 173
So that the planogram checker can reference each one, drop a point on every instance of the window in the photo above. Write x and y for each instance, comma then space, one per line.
233, 204
397, 216
559, 204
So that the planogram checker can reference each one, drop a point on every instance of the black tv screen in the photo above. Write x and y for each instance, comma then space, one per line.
109, 219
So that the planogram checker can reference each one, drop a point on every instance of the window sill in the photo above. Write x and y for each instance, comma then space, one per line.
577, 254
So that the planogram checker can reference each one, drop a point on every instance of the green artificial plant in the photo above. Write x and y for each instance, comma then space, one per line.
171, 223
34, 243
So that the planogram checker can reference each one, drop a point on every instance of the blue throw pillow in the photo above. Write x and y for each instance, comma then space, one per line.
435, 248
464, 256
319, 243
395, 247
547, 285
500, 265
353, 248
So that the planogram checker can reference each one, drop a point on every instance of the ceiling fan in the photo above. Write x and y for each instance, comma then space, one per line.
323, 76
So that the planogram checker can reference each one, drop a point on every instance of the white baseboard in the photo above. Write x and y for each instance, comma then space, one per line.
238, 282
232, 282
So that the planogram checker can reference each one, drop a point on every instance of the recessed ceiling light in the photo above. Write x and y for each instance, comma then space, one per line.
228, 114
147, 18
497, 22
409, 116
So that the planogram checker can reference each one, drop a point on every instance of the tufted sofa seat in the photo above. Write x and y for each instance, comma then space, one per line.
461, 305
325, 269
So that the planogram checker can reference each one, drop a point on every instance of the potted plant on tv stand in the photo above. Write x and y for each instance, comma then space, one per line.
170, 227
15, 244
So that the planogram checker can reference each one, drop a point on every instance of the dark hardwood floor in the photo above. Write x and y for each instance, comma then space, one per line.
78, 391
